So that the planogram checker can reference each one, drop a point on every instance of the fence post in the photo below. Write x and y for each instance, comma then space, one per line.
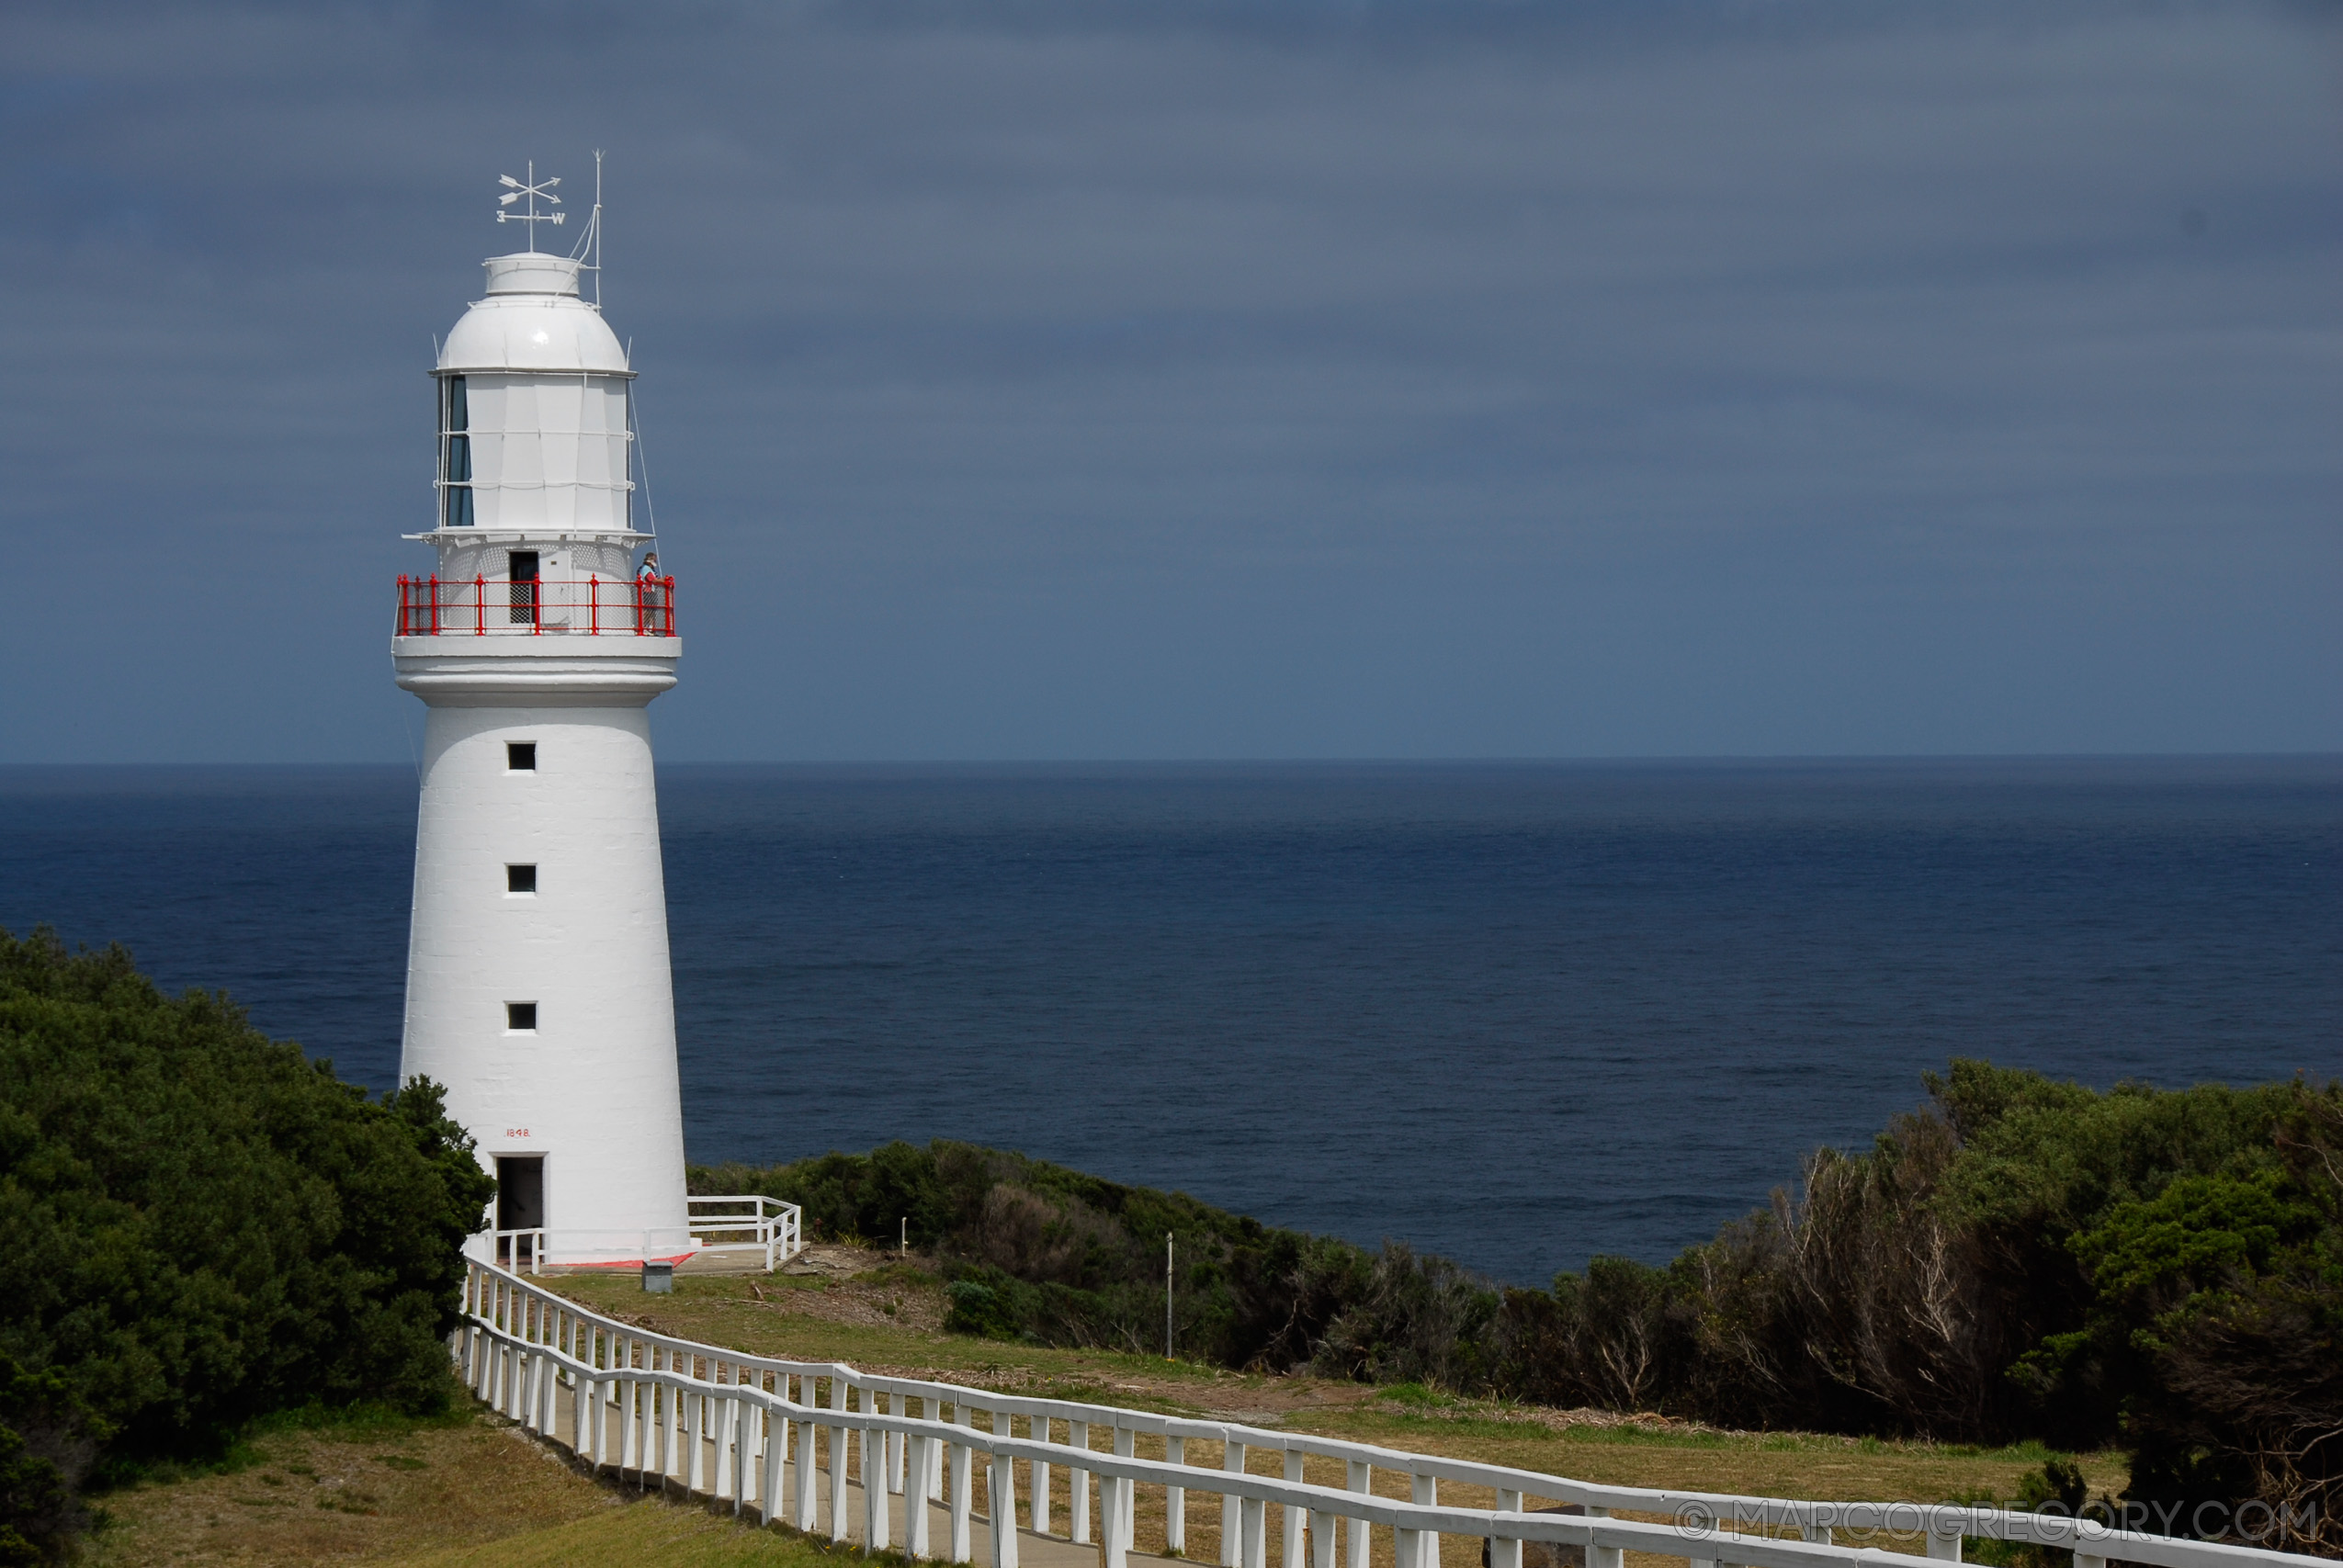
1503, 1554
654, 1436
1233, 1511
695, 1435
672, 1459
963, 1477
1078, 1484
1127, 1495
915, 1520
1038, 1429
1603, 1556
837, 1459
1115, 1544
630, 1450
1255, 1546
582, 1405
1175, 1500
1323, 1540
752, 1445
809, 1520
873, 1460
732, 1452
1295, 1515
776, 1453
1425, 1489
1360, 1478
1003, 1510
746, 1428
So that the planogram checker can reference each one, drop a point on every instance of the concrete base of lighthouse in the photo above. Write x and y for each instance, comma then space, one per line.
537, 978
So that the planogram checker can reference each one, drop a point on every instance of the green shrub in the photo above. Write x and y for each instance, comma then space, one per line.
45, 1450
2023, 1260
1071, 1260
203, 1227
999, 1310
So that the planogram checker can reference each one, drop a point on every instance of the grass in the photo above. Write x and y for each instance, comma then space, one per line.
651, 1532
847, 1321
314, 1486
368, 1487
1585, 1446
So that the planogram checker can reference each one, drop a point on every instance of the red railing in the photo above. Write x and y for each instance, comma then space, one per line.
432, 606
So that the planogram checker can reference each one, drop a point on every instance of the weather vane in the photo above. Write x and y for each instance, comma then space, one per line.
535, 190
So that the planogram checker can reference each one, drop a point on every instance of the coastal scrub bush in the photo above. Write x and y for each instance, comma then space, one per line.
2159, 1269
202, 1226
996, 1307
1067, 1258
2019, 1259
2057, 1487
1416, 1318
45, 1450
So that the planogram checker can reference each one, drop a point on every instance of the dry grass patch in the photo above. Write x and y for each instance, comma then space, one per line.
348, 1494
672, 1535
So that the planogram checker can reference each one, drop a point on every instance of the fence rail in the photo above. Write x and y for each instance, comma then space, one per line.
750, 1222
721, 1423
434, 606
532, 1251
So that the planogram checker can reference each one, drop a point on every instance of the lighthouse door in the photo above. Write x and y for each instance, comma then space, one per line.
520, 1201
524, 575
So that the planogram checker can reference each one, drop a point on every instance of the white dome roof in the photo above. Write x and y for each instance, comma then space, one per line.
533, 319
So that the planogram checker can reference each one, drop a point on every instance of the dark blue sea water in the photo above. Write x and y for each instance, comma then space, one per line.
1517, 1014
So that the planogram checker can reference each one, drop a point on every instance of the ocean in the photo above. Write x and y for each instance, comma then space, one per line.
1518, 1014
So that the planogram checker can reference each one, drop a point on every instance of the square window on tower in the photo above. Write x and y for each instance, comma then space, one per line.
520, 756
520, 879
520, 1018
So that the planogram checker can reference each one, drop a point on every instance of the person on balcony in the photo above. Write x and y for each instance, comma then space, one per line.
649, 595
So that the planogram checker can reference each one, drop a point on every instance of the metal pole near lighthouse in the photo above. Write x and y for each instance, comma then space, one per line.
538, 982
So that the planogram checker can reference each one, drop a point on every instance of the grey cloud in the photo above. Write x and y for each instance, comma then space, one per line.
1273, 381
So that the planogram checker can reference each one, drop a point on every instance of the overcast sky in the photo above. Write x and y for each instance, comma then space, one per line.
1184, 380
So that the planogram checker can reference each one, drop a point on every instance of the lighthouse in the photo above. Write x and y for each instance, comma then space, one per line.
538, 982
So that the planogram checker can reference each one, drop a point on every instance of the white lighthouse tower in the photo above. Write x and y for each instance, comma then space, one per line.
538, 985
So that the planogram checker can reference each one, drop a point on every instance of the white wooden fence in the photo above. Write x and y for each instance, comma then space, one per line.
749, 1222
721, 1423
746, 1223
